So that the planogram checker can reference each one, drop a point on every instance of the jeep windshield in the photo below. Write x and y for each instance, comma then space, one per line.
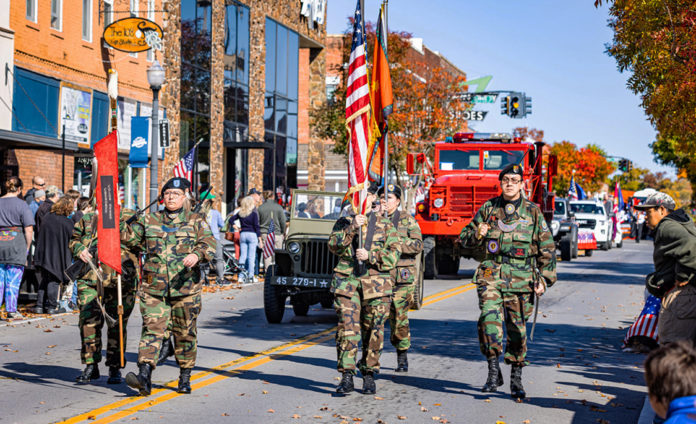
466, 160
587, 208
559, 208
318, 206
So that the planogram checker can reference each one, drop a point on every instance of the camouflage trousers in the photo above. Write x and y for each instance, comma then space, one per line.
91, 321
158, 313
360, 320
515, 309
398, 316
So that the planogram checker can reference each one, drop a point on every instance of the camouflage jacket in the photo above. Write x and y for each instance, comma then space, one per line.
84, 236
411, 246
384, 252
166, 240
513, 246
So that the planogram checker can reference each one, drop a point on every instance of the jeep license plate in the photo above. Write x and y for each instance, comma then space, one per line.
322, 283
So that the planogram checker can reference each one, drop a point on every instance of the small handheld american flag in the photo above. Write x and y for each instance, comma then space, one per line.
184, 168
646, 323
269, 246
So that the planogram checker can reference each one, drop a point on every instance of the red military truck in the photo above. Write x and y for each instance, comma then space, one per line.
464, 176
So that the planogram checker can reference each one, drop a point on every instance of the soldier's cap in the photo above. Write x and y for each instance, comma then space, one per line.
373, 188
393, 188
513, 169
656, 200
177, 182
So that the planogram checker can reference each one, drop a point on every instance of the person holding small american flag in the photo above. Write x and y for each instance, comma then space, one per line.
272, 223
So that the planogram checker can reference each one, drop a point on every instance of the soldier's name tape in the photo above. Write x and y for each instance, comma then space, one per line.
230, 369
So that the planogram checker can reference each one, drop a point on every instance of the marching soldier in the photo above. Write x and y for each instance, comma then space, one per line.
89, 288
519, 263
362, 285
411, 246
175, 241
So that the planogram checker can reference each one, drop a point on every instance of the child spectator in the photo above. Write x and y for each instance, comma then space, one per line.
670, 373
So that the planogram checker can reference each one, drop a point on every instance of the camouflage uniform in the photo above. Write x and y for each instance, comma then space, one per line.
411, 246
516, 242
169, 290
91, 319
361, 301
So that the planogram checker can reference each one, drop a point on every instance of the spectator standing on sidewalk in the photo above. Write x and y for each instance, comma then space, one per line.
270, 209
216, 222
640, 223
250, 234
674, 279
53, 255
17, 230
39, 197
37, 183
51, 198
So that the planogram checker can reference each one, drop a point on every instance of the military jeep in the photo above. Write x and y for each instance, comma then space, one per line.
303, 268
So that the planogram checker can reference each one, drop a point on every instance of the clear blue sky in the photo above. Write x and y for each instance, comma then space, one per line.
551, 50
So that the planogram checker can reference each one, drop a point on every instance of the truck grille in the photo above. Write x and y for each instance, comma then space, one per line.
467, 201
588, 223
317, 259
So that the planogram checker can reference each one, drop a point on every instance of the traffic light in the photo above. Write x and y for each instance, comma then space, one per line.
505, 105
527, 106
625, 165
515, 105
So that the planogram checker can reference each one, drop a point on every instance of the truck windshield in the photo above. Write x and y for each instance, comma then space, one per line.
499, 159
586, 208
459, 160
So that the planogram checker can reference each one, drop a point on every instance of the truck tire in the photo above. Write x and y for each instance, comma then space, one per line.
447, 265
273, 298
566, 248
588, 252
420, 285
429, 260
605, 245
575, 244
300, 308
327, 302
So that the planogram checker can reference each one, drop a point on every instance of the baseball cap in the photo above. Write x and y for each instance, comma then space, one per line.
658, 199
39, 193
253, 191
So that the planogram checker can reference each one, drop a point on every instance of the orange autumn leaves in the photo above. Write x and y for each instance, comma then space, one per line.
590, 165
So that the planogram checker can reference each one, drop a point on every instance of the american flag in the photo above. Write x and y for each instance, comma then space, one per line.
184, 168
646, 324
573, 191
357, 115
269, 246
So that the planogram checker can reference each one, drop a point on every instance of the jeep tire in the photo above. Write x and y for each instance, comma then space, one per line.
300, 307
429, 259
566, 247
273, 298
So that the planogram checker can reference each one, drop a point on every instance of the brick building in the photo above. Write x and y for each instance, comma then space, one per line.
57, 69
336, 174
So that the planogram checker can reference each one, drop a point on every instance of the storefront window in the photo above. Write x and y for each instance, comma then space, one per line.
280, 114
236, 76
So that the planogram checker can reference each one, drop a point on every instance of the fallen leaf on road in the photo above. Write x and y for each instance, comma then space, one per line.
401, 417
558, 365
42, 402
51, 346
56, 326
357, 419
435, 418
265, 392
317, 416
295, 416
324, 408
379, 398
225, 414
437, 404
526, 422
48, 330
595, 409
487, 401
271, 411
424, 409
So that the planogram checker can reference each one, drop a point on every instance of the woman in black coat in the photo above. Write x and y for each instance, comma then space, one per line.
52, 255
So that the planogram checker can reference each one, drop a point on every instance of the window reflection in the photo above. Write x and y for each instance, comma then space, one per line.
236, 64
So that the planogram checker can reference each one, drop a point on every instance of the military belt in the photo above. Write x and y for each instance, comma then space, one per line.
506, 259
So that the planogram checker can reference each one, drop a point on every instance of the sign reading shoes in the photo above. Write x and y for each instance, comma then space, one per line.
133, 35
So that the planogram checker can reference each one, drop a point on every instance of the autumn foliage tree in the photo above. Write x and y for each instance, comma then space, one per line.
425, 109
591, 167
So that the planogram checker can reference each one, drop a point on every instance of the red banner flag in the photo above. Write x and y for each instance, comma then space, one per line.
108, 234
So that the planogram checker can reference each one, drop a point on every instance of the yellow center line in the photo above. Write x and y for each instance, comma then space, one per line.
257, 359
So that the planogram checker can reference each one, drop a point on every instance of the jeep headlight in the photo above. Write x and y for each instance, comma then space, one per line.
439, 202
555, 226
294, 247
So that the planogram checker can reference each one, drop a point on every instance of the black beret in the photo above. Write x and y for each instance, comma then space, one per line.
393, 188
513, 168
373, 188
176, 182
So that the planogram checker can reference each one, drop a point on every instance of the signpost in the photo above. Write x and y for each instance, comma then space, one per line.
133, 35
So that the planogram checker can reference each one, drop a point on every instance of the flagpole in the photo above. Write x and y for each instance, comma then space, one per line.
385, 5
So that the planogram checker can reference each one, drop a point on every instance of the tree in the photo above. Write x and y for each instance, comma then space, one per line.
590, 166
656, 42
425, 109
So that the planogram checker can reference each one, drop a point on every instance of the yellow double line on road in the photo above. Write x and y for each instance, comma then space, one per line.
227, 370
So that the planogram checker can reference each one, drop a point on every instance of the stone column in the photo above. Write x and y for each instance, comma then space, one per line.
217, 100
170, 59
317, 95
257, 87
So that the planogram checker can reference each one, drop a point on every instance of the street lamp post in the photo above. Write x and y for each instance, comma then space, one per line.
155, 77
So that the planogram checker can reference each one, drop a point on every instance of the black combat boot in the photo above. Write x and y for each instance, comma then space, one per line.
516, 389
495, 376
346, 385
166, 351
141, 382
401, 361
369, 386
114, 375
91, 372
184, 381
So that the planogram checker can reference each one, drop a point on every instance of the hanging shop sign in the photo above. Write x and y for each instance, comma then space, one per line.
133, 35
76, 113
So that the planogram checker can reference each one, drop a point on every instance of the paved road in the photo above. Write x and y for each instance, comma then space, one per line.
250, 371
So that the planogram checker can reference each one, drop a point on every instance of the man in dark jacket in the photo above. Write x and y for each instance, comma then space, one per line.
674, 279
51, 198
271, 210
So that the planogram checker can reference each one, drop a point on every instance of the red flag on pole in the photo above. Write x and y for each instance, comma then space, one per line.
108, 234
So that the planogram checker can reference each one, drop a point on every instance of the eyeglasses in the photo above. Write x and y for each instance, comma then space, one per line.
511, 180
173, 194
41, 185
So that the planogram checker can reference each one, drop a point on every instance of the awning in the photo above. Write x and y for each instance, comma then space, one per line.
20, 140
